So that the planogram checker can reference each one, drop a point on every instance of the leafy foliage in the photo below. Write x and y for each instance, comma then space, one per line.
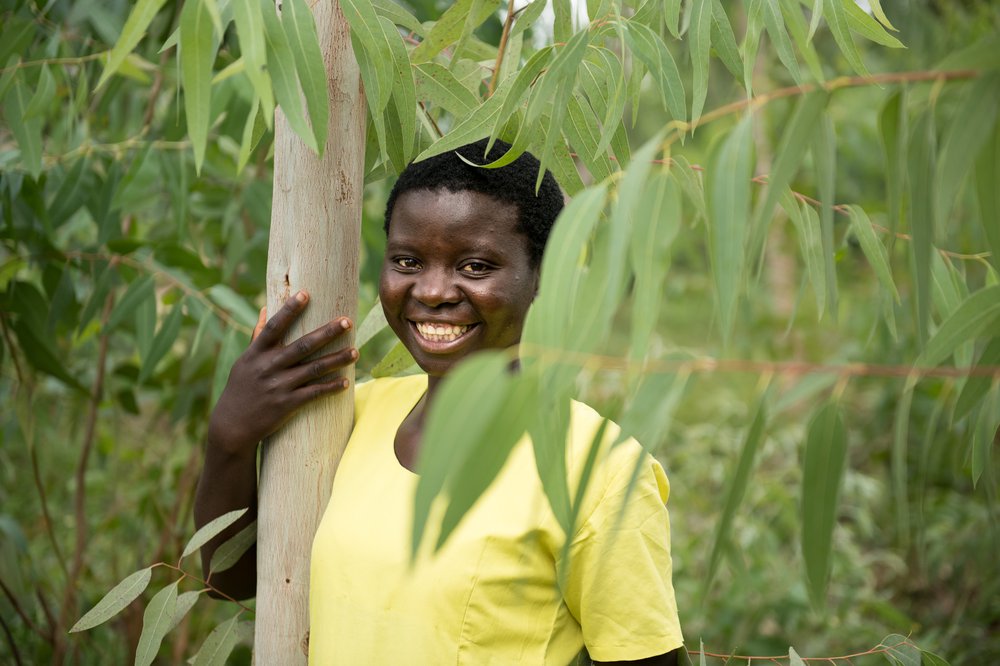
134, 199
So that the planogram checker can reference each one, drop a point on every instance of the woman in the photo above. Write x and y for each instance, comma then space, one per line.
461, 268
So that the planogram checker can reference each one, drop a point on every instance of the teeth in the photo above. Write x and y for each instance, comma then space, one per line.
440, 332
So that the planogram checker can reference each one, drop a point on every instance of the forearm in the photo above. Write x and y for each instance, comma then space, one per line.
228, 483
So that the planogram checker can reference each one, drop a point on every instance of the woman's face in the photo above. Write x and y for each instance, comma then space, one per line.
456, 276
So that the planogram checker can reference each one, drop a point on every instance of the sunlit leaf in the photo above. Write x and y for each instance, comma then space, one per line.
404, 96
823, 468
793, 658
185, 601
581, 128
727, 189
281, 66
436, 84
120, 596
234, 305
400, 16
672, 15
197, 53
253, 48
142, 14
211, 529
650, 49
395, 361
724, 41
860, 22
300, 28
156, 621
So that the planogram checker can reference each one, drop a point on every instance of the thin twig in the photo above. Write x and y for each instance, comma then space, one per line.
10, 639
76, 60
22, 614
508, 22
80, 496
185, 574
681, 127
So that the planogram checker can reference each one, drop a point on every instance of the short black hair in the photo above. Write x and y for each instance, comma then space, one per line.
513, 183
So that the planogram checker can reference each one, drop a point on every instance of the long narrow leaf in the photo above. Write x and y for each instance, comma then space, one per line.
253, 47
138, 21
977, 314
300, 28
211, 529
874, 251
700, 43
823, 468
197, 54
281, 65
120, 596
156, 621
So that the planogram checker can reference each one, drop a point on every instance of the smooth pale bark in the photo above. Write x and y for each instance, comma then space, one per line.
315, 233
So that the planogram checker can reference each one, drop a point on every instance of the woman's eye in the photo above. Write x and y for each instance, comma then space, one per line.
408, 263
475, 267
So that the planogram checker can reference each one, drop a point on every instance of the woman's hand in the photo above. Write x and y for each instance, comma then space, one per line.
270, 381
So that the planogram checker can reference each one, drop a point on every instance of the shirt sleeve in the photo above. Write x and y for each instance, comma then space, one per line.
619, 584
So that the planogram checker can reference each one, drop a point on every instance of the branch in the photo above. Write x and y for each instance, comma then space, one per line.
508, 22
681, 127
47, 636
10, 639
80, 496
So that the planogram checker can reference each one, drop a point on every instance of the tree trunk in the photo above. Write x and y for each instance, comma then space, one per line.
315, 232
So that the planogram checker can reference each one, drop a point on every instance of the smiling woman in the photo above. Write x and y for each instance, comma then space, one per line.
460, 271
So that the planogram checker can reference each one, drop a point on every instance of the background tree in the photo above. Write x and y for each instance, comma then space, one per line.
833, 415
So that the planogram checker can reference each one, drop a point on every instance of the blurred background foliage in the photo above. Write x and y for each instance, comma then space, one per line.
129, 283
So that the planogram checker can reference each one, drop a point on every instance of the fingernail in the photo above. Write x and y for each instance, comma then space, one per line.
345, 324
354, 354
301, 297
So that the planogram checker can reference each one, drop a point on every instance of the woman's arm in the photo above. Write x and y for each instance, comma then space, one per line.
269, 382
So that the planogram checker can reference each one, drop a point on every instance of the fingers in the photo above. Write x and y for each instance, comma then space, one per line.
315, 370
313, 391
310, 343
261, 320
272, 332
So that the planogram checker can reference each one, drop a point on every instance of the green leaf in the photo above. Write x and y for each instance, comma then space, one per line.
219, 645
807, 225
163, 341
211, 529
977, 385
727, 188
860, 22
817, 13
197, 53
436, 84
775, 25
120, 596
473, 474
234, 305
751, 41
650, 49
373, 323
563, 24
450, 28
253, 47
183, 606
229, 552
874, 251
27, 132
395, 13
142, 14
300, 29
228, 353
799, 30
893, 131
37, 347
671, 16
900, 446
137, 293
795, 138
724, 41
253, 130
465, 405
700, 43
155, 624
976, 315
581, 128
837, 13
527, 16
824, 149
793, 657
655, 225
404, 96
736, 486
988, 194
823, 468
281, 65
394, 362
41, 100
973, 121
922, 211
901, 650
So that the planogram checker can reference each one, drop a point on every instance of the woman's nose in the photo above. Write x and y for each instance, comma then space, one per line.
436, 287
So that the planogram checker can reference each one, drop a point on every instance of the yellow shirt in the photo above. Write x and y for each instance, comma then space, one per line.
490, 595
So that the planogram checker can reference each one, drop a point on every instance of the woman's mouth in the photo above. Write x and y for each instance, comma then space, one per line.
433, 332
